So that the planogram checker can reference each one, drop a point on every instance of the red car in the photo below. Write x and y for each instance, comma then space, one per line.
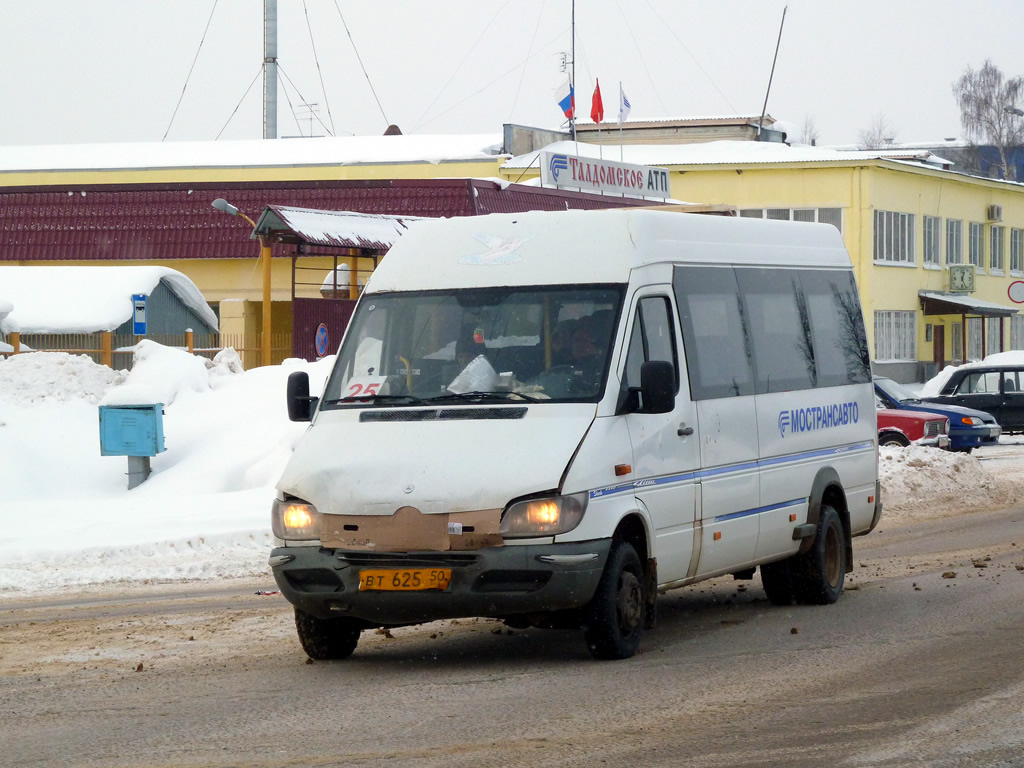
899, 427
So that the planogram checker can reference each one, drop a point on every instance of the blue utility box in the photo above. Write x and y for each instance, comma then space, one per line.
132, 430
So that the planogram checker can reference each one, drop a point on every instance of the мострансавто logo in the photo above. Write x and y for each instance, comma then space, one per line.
818, 417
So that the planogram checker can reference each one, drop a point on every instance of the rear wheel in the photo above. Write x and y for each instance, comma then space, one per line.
615, 615
819, 574
325, 639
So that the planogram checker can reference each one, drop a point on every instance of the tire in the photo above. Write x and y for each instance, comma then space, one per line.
616, 613
893, 439
326, 639
819, 574
777, 580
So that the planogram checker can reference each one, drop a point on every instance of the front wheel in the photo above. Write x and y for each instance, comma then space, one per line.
326, 639
893, 439
615, 615
819, 574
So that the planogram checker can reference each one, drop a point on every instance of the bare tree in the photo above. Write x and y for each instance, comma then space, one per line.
878, 135
809, 132
986, 99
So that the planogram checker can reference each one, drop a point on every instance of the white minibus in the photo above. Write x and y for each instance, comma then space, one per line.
549, 418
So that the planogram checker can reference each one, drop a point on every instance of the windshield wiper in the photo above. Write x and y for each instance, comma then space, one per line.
407, 399
478, 395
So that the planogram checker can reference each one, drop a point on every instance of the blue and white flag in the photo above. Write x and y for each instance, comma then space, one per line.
623, 105
567, 100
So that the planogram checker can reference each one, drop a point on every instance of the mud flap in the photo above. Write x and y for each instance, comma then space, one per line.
651, 593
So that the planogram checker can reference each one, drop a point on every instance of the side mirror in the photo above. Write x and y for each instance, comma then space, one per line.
657, 386
300, 404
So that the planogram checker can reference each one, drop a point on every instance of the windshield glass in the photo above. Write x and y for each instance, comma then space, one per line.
897, 392
515, 344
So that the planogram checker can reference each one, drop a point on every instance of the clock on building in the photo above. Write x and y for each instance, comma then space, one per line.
961, 277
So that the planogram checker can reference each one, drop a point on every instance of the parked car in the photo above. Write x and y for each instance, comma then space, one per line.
901, 428
996, 389
968, 428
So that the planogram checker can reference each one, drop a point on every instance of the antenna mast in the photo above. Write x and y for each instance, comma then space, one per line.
777, 42
572, 83
269, 69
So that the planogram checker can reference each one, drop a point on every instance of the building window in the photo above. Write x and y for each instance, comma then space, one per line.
932, 239
1017, 332
954, 241
894, 237
895, 335
993, 336
974, 234
975, 329
957, 332
833, 216
1017, 250
995, 248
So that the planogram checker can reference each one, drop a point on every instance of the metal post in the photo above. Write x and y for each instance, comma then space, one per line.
265, 256
269, 69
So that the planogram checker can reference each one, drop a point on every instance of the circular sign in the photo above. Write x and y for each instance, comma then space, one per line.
321, 341
1016, 291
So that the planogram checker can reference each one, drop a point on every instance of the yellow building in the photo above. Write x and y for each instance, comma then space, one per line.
905, 218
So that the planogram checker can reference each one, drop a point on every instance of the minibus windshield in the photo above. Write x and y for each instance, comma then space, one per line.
482, 345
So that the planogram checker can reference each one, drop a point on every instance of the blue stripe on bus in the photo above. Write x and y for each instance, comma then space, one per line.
759, 510
728, 469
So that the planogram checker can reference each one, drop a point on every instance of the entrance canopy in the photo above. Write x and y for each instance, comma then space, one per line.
940, 303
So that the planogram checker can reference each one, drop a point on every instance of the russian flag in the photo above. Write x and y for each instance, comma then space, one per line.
567, 100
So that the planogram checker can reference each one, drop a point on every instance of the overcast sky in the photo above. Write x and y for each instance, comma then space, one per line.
114, 70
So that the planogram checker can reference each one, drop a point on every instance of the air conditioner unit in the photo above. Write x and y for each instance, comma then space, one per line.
995, 213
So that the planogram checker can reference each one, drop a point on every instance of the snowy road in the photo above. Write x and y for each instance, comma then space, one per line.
918, 663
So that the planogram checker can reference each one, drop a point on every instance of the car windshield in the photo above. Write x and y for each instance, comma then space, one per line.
896, 391
510, 344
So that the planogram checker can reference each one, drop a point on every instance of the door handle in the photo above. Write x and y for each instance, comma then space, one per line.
684, 431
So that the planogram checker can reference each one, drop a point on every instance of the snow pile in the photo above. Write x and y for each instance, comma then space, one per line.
922, 482
67, 517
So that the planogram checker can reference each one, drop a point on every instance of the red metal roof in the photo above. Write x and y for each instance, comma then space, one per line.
154, 222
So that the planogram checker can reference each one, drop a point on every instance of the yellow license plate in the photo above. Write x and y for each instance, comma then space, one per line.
408, 579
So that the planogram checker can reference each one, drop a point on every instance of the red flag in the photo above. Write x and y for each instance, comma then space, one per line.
596, 106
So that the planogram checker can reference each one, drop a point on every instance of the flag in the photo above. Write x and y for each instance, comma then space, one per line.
567, 100
596, 107
623, 105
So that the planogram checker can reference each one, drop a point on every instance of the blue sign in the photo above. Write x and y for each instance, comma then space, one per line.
139, 314
321, 341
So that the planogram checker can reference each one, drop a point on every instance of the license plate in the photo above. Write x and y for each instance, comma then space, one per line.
408, 579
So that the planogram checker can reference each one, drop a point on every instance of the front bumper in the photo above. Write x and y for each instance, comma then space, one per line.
495, 582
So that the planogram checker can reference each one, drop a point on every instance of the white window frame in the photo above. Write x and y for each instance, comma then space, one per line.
894, 238
820, 215
996, 249
895, 335
976, 244
957, 333
954, 241
1016, 252
932, 240
975, 331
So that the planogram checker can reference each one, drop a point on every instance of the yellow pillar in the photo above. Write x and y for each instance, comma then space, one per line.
265, 256
106, 349
15, 338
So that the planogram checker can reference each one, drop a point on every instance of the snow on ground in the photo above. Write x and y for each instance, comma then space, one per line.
68, 520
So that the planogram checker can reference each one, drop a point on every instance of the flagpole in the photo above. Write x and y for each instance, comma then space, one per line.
621, 160
572, 84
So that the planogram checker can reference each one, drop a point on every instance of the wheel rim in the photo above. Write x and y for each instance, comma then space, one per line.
629, 603
833, 556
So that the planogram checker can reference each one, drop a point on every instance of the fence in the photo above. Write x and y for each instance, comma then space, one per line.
99, 346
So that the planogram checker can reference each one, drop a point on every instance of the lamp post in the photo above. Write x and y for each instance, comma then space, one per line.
1014, 111
223, 205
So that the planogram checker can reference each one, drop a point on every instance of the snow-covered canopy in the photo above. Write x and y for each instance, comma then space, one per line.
335, 228
63, 299
721, 153
328, 150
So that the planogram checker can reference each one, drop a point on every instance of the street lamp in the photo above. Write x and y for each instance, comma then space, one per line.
223, 205
1014, 111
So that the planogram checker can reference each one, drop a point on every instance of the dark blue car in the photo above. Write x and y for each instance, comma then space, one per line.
968, 428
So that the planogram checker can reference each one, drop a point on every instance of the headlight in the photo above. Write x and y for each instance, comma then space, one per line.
548, 516
294, 520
